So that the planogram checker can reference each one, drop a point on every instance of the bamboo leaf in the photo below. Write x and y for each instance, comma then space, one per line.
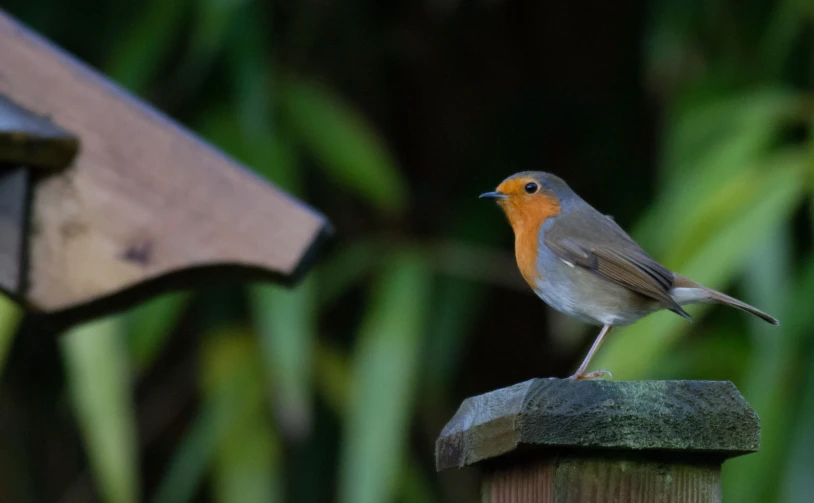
150, 325
285, 321
247, 468
99, 385
139, 51
454, 302
246, 465
10, 316
213, 19
786, 24
332, 377
698, 128
231, 386
415, 486
768, 280
797, 484
385, 371
713, 262
196, 451
707, 147
348, 267
344, 143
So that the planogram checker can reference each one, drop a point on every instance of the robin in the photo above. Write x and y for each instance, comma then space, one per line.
581, 263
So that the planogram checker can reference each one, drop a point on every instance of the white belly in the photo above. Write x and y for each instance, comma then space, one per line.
592, 299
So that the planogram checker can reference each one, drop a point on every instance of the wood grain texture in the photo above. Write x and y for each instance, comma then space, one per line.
14, 191
520, 483
144, 198
602, 480
704, 417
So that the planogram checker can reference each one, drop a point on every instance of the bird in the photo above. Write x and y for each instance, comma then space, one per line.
583, 264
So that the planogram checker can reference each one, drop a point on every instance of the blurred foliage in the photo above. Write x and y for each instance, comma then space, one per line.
335, 389
99, 385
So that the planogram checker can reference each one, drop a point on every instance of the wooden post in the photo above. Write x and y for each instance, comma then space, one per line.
554, 440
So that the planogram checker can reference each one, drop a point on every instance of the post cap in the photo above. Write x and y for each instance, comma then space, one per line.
686, 417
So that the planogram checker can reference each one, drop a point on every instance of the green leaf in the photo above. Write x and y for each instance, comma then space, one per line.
706, 148
797, 483
246, 465
384, 373
285, 320
197, 450
454, 302
150, 325
245, 127
268, 155
348, 267
344, 143
333, 382
232, 391
139, 52
783, 28
713, 261
99, 384
768, 281
415, 486
252, 75
10, 316
332, 377
750, 119
213, 20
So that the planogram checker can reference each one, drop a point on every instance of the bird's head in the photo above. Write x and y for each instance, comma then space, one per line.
531, 197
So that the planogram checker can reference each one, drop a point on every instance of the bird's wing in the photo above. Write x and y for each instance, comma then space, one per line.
612, 254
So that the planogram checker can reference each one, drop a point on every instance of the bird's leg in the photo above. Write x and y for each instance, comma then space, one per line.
580, 374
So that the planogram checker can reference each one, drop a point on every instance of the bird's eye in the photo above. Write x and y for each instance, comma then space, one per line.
531, 188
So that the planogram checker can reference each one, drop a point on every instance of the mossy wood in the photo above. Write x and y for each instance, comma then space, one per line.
553, 440
143, 206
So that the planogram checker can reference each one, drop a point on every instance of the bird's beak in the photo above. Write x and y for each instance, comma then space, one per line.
493, 195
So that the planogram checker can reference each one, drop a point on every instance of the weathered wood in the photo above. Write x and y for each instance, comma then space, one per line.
30, 140
144, 198
601, 480
598, 441
27, 141
14, 185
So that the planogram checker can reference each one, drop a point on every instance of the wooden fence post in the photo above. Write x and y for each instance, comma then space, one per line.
554, 440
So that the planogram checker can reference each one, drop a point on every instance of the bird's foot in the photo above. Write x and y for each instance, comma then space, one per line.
604, 374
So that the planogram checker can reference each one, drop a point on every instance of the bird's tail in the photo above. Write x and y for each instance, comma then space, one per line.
686, 291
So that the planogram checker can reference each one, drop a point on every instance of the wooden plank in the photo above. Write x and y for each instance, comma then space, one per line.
14, 190
602, 480
144, 198
520, 483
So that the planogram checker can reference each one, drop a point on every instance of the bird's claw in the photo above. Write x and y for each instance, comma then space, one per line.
604, 374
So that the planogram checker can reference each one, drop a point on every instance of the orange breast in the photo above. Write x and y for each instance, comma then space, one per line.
525, 251
526, 215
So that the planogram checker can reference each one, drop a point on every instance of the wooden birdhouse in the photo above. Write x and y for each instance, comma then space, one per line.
104, 200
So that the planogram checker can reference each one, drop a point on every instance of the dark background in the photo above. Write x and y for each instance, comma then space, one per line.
688, 121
